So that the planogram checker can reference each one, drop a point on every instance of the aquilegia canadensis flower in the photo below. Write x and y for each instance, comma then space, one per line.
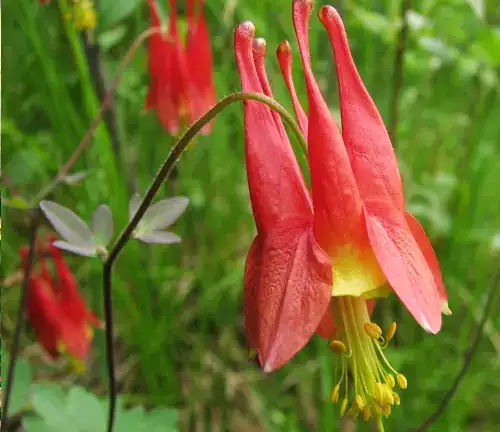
320, 258
181, 84
55, 309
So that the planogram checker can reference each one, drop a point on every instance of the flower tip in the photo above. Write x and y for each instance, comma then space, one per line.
302, 3
432, 329
268, 367
284, 48
444, 308
328, 13
303, 7
259, 45
246, 29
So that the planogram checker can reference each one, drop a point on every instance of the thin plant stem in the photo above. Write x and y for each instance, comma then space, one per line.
66, 168
467, 360
398, 72
93, 54
161, 176
14, 350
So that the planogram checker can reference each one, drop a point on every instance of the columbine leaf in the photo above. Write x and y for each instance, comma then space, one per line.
102, 225
112, 12
86, 411
133, 205
48, 402
162, 214
69, 226
164, 419
22, 381
158, 237
88, 251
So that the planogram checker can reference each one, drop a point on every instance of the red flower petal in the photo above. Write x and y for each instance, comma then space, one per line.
277, 188
326, 326
294, 290
403, 263
76, 334
259, 54
426, 248
199, 64
370, 150
284, 55
251, 292
337, 205
167, 67
44, 314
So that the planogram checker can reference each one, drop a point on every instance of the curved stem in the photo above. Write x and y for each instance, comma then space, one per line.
66, 168
14, 351
160, 177
468, 356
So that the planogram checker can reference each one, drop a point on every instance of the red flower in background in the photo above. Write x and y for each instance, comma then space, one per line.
181, 85
320, 259
55, 308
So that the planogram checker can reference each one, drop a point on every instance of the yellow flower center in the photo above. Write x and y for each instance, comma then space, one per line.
358, 273
358, 346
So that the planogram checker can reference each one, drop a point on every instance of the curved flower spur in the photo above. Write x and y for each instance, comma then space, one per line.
320, 259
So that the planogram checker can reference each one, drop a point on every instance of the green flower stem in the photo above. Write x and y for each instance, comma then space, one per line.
160, 177
66, 168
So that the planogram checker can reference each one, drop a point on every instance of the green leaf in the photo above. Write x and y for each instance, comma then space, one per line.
109, 38
37, 424
161, 420
49, 403
131, 420
16, 202
111, 11
85, 410
21, 386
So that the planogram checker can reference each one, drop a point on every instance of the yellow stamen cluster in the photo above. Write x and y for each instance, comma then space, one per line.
359, 346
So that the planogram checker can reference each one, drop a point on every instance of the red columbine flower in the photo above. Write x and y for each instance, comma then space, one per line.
181, 85
199, 62
55, 309
317, 261
168, 89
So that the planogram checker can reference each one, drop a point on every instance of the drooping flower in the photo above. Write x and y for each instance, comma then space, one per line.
318, 261
55, 309
181, 85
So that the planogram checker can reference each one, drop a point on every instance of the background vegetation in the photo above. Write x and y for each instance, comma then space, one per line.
181, 345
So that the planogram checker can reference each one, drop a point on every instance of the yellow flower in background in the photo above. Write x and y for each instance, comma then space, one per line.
83, 14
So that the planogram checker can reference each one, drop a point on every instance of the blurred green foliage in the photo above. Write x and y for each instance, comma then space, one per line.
178, 308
